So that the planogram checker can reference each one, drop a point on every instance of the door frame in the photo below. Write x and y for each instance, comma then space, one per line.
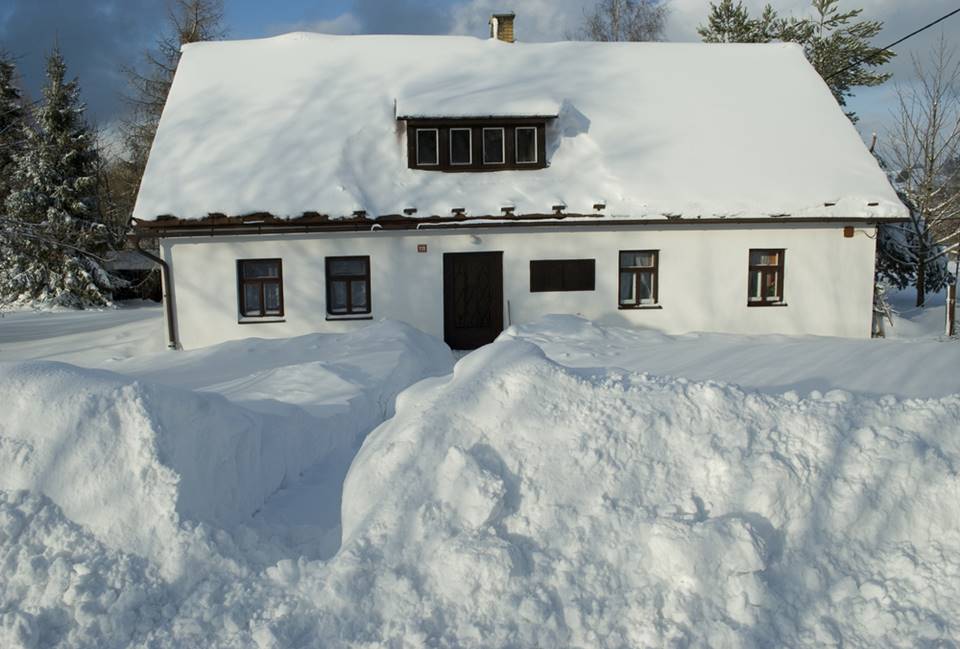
479, 337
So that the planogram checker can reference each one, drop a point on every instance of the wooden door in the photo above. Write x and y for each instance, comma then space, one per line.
472, 298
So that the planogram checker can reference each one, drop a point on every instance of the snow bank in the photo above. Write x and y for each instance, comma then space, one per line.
63, 588
771, 364
515, 503
133, 543
129, 459
348, 379
522, 503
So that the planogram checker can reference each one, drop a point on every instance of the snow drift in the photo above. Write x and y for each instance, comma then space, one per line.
61, 587
515, 503
522, 503
129, 459
772, 364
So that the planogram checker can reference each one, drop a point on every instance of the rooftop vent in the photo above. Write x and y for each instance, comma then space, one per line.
501, 27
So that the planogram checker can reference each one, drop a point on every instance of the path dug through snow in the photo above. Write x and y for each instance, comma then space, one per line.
147, 467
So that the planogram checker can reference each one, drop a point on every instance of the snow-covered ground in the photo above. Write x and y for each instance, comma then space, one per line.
570, 485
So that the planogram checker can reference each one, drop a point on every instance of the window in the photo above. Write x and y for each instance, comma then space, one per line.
493, 146
476, 145
348, 285
638, 278
428, 146
562, 275
461, 146
765, 281
260, 288
526, 145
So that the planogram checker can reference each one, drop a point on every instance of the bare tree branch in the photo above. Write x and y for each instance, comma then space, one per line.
923, 146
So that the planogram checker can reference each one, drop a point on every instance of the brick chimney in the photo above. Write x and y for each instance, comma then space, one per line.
501, 27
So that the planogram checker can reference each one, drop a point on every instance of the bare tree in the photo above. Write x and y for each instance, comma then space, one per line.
625, 20
188, 21
922, 149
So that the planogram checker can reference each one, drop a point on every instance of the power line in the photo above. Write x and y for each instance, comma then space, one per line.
894, 44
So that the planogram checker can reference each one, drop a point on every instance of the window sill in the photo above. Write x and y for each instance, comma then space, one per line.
334, 318
752, 304
267, 320
640, 307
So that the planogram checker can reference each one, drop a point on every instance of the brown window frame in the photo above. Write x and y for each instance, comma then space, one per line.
565, 271
476, 127
636, 271
536, 145
765, 270
242, 282
350, 279
450, 146
503, 146
416, 147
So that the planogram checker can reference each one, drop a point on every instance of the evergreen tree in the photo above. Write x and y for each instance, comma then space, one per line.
12, 123
904, 250
731, 23
54, 235
839, 48
836, 43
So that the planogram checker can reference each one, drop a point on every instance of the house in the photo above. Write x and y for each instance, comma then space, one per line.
312, 182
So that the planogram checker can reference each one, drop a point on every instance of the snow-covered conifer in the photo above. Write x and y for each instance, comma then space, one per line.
12, 122
52, 227
835, 42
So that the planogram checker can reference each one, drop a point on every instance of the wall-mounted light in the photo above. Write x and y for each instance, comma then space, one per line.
475, 239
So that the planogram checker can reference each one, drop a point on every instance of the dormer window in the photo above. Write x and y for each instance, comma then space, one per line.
461, 146
481, 144
493, 153
428, 147
526, 145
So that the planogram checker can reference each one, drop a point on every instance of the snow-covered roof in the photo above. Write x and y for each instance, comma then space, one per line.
309, 123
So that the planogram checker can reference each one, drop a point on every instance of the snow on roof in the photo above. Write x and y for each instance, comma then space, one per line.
309, 123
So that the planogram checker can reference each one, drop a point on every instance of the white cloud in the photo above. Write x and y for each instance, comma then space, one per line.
345, 23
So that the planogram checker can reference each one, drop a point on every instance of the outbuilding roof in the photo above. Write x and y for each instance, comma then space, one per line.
311, 123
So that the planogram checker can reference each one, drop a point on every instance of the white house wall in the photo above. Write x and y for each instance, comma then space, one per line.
828, 278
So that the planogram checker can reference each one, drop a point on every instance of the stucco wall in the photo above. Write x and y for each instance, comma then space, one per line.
703, 278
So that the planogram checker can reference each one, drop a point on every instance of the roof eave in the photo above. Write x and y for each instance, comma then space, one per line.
219, 224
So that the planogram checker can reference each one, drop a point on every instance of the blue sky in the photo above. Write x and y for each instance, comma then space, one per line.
252, 18
99, 37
